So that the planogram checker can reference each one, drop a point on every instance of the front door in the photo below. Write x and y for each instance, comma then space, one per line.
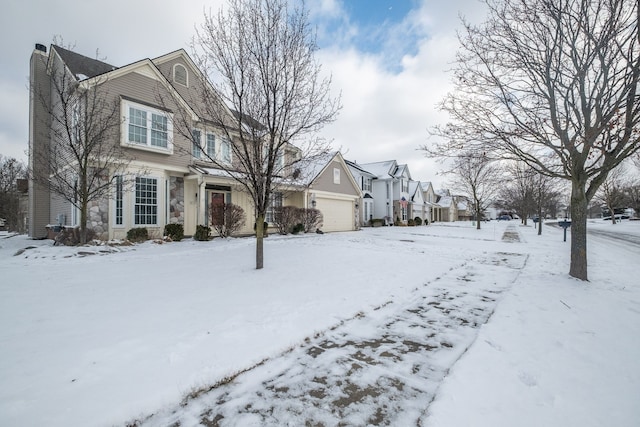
216, 212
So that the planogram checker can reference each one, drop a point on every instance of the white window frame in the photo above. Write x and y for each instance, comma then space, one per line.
196, 146
157, 200
211, 145
275, 201
336, 175
186, 75
146, 145
118, 198
367, 183
225, 150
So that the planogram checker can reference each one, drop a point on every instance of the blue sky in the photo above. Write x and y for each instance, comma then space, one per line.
388, 59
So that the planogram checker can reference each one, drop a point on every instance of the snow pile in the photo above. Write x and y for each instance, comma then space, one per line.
104, 338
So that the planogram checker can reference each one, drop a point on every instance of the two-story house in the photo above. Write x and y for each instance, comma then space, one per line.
169, 177
390, 190
364, 179
430, 197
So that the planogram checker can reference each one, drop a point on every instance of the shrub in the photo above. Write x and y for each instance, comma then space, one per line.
417, 220
376, 222
297, 228
174, 231
137, 235
426, 222
411, 222
202, 233
227, 218
285, 218
310, 218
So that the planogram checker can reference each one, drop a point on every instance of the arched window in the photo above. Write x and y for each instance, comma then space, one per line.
180, 74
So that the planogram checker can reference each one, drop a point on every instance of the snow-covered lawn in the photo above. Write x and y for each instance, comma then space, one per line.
101, 336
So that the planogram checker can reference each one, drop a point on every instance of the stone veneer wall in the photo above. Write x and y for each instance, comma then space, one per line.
98, 218
176, 200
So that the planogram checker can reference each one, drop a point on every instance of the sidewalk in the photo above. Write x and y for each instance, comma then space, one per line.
381, 369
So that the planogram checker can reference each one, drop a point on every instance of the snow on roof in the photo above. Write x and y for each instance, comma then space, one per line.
381, 169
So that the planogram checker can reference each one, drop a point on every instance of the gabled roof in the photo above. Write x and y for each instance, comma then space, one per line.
359, 168
426, 185
82, 67
382, 170
402, 170
445, 201
414, 186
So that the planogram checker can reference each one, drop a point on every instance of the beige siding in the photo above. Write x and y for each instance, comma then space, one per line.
144, 90
325, 182
39, 125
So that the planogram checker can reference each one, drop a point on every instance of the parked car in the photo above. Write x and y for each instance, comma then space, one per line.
504, 218
617, 217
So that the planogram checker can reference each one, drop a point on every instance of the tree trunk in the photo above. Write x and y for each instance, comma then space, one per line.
578, 229
260, 241
539, 219
83, 222
478, 215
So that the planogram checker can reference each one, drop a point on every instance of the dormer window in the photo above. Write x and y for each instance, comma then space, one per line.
180, 74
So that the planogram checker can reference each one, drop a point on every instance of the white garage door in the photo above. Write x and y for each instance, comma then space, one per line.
337, 215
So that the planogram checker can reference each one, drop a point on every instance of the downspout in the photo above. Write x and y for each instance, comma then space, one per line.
198, 200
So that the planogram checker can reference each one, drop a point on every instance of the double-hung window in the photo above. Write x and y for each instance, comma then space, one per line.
211, 146
119, 201
225, 150
274, 204
146, 203
196, 149
147, 127
366, 183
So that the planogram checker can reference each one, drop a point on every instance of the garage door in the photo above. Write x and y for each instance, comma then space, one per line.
337, 215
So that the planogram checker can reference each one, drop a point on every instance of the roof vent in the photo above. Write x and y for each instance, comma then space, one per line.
41, 47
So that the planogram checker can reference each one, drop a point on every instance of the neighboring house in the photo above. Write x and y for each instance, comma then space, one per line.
430, 197
174, 182
447, 207
464, 208
365, 180
332, 190
417, 205
390, 190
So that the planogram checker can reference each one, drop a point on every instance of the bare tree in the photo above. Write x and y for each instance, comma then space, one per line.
555, 85
611, 193
11, 170
265, 92
519, 188
82, 160
478, 177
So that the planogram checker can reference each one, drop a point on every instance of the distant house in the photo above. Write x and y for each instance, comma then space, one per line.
174, 181
332, 190
390, 190
430, 197
364, 179
418, 207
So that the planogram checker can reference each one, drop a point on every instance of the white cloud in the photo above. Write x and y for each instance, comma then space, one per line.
389, 98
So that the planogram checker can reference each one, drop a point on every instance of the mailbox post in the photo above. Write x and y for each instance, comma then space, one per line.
565, 223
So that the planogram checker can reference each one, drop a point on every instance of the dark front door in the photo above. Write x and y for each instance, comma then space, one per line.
217, 208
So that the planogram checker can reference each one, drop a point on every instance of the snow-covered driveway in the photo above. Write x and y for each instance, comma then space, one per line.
382, 368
